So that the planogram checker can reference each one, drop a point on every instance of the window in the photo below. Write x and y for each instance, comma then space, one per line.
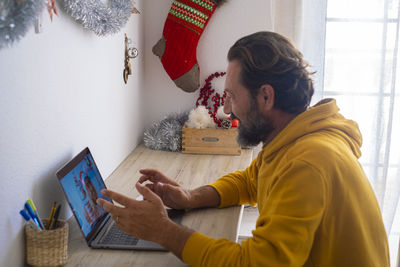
361, 59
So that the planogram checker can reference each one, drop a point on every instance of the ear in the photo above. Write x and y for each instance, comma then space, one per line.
266, 97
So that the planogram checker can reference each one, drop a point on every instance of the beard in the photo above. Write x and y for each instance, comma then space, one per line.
255, 128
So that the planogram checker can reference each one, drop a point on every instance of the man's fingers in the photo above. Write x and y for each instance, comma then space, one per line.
145, 178
150, 172
147, 193
109, 207
121, 199
155, 176
150, 186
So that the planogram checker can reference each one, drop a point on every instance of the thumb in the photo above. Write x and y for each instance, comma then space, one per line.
146, 193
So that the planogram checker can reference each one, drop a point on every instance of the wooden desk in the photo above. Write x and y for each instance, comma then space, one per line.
190, 171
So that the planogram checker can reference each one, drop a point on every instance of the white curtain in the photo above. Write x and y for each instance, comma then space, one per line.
353, 46
304, 23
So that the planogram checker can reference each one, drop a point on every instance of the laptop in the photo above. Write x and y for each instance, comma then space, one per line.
81, 182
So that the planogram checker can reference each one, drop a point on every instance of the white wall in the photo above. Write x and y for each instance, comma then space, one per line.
232, 20
62, 90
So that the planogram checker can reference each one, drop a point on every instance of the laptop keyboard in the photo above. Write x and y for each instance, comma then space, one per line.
117, 237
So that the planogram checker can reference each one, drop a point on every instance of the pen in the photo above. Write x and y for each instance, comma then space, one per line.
32, 214
30, 202
51, 217
56, 214
29, 220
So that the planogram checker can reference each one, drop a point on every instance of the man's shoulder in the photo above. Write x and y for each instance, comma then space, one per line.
317, 147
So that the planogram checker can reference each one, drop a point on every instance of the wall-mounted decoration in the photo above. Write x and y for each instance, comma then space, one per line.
135, 11
177, 48
102, 18
16, 17
130, 52
38, 24
51, 7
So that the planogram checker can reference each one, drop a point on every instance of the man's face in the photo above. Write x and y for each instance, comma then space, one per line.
254, 127
91, 189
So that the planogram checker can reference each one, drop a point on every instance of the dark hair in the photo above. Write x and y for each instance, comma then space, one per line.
270, 58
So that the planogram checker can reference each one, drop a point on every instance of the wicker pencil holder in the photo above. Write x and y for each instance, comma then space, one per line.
47, 247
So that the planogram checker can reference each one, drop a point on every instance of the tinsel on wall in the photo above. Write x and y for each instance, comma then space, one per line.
16, 17
167, 133
99, 17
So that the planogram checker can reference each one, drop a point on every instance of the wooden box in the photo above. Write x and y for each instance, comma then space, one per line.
210, 141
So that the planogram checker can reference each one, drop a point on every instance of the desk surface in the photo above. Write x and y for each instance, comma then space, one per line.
190, 171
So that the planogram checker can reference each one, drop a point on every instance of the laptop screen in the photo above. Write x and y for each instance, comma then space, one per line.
82, 183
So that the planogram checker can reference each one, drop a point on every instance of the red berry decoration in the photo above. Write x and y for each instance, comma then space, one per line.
206, 91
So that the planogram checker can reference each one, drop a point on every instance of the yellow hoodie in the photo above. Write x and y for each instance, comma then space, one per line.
316, 205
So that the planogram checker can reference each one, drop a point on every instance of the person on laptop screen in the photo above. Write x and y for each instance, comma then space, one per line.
84, 198
316, 205
92, 209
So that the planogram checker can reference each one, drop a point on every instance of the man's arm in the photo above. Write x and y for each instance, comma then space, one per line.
174, 238
148, 219
175, 235
204, 196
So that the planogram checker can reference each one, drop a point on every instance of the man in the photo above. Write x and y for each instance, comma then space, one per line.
316, 206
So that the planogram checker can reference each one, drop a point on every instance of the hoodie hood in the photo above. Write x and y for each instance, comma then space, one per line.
324, 116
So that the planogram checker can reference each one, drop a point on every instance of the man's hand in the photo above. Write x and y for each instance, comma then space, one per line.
146, 219
143, 219
170, 192
174, 196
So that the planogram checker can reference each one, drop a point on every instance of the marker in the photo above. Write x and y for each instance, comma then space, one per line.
30, 202
32, 214
51, 217
29, 220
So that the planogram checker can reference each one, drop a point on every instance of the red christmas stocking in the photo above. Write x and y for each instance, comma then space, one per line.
177, 48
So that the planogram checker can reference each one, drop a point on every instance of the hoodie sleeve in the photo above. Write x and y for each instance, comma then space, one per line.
239, 187
284, 231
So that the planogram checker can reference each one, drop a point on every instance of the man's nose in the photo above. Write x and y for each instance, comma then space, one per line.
227, 106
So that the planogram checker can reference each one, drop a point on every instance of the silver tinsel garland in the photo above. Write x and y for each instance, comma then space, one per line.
166, 134
101, 18
16, 17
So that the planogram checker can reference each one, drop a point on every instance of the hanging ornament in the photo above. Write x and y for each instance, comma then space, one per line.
130, 52
135, 11
51, 7
185, 24
101, 18
16, 17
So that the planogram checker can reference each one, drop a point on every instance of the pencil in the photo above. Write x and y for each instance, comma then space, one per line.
56, 214
51, 217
